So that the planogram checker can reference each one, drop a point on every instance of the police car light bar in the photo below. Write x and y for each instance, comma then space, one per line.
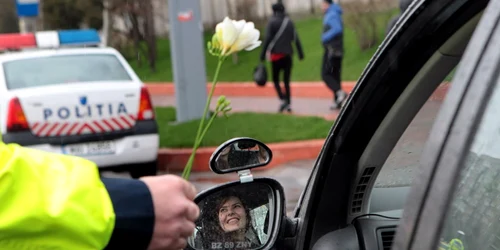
49, 39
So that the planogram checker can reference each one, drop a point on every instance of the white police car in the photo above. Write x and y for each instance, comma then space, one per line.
86, 101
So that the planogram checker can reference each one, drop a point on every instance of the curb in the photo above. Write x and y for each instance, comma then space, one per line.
174, 160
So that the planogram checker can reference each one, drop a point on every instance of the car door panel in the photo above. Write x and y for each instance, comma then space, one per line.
451, 136
426, 23
386, 199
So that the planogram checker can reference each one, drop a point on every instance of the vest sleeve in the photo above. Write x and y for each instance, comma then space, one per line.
135, 215
52, 201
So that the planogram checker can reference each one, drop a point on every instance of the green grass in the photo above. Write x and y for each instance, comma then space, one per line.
309, 31
265, 127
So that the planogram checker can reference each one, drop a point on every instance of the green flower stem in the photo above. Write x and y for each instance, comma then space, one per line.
199, 134
207, 127
186, 173
187, 168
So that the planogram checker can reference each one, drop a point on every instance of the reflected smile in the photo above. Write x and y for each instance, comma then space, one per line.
233, 221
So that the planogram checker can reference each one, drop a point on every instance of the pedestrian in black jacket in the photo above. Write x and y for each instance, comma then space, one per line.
278, 49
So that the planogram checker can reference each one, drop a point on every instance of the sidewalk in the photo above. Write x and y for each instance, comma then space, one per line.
300, 106
312, 98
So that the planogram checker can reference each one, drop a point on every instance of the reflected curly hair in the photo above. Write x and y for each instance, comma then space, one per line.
212, 231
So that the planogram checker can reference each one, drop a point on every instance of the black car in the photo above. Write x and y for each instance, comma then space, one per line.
452, 200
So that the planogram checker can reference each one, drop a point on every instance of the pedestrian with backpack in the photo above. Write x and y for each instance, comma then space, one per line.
277, 48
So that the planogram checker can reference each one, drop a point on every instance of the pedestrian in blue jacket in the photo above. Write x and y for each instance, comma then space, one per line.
333, 43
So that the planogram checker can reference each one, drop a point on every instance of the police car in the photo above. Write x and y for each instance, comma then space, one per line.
59, 95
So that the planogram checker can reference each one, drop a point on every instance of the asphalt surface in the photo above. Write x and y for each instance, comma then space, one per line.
292, 176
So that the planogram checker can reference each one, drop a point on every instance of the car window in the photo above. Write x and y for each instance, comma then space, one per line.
402, 164
259, 216
43, 71
472, 220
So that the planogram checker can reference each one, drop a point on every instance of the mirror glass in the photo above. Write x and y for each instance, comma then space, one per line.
238, 217
241, 154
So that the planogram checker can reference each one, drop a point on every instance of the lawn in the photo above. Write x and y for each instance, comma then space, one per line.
308, 70
265, 127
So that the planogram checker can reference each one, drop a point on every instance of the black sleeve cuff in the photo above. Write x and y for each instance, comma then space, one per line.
134, 210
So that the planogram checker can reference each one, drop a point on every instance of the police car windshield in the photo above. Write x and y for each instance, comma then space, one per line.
63, 69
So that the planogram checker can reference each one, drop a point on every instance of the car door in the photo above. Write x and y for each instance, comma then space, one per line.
339, 188
456, 200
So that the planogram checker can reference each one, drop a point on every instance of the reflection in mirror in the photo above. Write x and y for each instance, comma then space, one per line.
239, 217
242, 153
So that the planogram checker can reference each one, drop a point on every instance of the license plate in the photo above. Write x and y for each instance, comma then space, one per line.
94, 148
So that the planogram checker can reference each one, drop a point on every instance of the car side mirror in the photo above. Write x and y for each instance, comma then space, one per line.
239, 154
239, 216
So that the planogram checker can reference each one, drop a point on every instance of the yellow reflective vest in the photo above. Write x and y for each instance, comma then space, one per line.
51, 201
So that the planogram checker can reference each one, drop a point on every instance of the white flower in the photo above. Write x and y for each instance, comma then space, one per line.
232, 36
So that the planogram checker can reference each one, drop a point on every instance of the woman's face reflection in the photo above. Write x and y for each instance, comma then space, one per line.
232, 215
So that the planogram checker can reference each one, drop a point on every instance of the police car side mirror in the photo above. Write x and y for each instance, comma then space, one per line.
238, 154
240, 216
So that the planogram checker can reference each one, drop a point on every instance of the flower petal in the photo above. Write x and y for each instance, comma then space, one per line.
239, 25
229, 33
253, 46
248, 36
219, 30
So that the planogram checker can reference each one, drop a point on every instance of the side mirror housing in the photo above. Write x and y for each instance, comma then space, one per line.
240, 216
239, 154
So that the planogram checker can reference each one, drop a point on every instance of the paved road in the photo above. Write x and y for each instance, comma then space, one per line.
293, 176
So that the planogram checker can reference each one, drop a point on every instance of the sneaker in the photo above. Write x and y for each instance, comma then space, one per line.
340, 99
334, 106
341, 96
283, 106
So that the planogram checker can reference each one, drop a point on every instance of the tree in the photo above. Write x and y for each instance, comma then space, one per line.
8, 17
363, 19
311, 4
140, 27
107, 23
71, 14
92, 12
149, 32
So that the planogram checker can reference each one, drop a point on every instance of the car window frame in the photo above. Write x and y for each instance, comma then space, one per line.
451, 137
376, 86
